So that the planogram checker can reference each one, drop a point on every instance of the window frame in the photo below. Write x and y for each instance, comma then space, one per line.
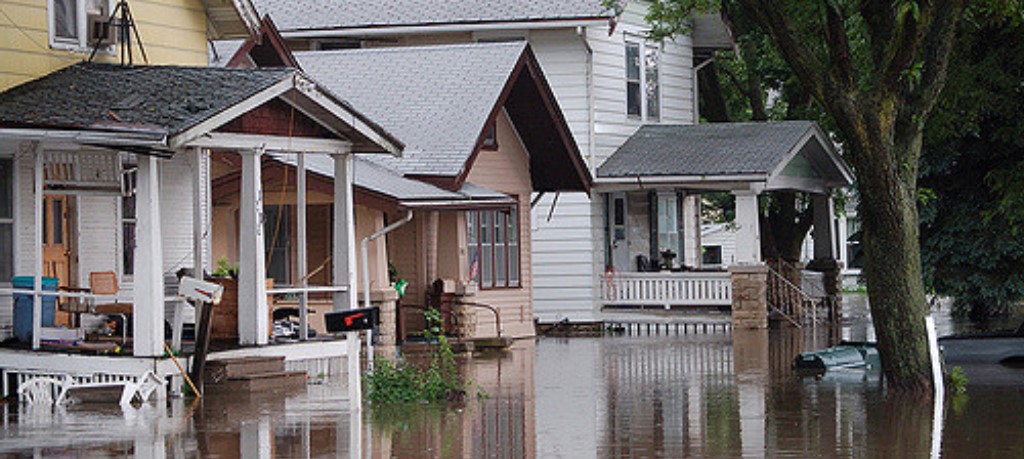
81, 42
513, 278
643, 48
490, 140
129, 177
13, 219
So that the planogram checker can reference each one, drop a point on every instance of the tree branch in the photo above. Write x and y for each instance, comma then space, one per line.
880, 19
838, 45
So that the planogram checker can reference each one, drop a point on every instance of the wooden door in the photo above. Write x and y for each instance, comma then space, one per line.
58, 251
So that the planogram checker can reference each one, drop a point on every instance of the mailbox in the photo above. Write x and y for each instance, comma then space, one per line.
352, 320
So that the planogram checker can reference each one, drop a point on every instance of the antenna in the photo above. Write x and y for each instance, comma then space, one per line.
123, 20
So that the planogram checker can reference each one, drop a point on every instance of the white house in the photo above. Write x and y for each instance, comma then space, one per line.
607, 78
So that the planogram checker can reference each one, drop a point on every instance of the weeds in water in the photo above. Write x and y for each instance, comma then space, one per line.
438, 381
957, 380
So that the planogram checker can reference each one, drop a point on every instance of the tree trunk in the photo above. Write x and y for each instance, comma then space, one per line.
893, 262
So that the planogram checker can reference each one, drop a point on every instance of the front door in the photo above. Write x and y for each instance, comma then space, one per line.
58, 253
619, 232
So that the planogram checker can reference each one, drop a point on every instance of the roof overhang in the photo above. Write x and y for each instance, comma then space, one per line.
230, 18
819, 150
154, 143
310, 99
423, 29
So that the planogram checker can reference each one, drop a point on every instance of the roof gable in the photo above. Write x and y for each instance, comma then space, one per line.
772, 152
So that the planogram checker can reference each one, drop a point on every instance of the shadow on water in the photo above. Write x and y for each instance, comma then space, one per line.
689, 395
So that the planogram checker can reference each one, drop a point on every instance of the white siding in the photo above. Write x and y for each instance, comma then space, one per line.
568, 250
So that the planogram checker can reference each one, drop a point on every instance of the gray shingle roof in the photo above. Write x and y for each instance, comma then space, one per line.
158, 99
379, 179
705, 149
220, 52
436, 99
337, 14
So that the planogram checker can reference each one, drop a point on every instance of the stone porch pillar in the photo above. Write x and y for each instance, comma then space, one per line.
749, 296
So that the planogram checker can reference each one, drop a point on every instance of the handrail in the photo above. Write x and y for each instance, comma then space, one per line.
497, 316
309, 289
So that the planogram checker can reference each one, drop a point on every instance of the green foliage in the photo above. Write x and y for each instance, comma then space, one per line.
957, 380
405, 382
225, 268
973, 167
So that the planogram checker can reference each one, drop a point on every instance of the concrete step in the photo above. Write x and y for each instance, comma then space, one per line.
265, 382
221, 370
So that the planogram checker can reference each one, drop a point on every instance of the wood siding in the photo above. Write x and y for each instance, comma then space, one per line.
172, 32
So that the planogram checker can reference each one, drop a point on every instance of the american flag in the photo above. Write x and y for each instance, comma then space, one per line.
474, 267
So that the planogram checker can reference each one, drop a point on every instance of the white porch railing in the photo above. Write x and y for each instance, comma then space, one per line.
667, 289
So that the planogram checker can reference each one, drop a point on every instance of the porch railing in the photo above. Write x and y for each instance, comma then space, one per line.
667, 289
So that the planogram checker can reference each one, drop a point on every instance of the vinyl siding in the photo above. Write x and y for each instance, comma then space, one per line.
172, 32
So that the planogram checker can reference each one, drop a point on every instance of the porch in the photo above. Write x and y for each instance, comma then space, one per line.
654, 188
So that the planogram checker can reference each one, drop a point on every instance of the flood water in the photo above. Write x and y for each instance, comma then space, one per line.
686, 395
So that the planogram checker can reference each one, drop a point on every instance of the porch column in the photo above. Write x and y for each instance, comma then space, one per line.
824, 237
300, 204
430, 235
691, 231
748, 234
343, 257
148, 310
37, 299
253, 326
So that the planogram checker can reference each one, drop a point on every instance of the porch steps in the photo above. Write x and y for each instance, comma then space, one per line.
250, 374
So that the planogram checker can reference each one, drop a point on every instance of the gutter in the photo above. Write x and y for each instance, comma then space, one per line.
154, 140
382, 31
671, 179
365, 262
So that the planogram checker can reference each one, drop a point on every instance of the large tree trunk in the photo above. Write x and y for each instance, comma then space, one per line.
893, 263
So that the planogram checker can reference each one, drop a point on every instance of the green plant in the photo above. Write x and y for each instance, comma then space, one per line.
438, 380
225, 268
957, 380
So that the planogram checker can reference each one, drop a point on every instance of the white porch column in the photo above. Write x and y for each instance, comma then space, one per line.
300, 205
148, 310
691, 231
748, 235
253, 326
343, 259
37, 299
824, 233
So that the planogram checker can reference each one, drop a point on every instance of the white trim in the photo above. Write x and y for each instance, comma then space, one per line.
443, 28
830, 152
227, 141
14, 215
141, 139
680, 180
809, 185
317, 94
642, 44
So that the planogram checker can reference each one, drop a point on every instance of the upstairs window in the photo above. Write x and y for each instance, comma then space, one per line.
76, 24
6, 219
643, 90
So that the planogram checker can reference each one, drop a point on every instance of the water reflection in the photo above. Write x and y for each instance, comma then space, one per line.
689, 395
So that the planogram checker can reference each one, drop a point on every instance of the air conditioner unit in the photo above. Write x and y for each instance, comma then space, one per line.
100, 30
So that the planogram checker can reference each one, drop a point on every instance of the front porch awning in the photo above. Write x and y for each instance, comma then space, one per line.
156, 110
786, 155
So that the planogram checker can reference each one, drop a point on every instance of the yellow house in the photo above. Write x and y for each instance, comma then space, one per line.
38, 37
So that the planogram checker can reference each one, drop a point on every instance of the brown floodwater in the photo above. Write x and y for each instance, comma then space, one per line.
686, 395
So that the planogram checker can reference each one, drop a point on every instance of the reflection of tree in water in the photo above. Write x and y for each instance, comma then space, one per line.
722, 422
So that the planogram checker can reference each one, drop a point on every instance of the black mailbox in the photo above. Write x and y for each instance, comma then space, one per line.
352, 320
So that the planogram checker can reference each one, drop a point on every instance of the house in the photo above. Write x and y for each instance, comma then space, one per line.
477, 150
653, 231
109, 164
607, 78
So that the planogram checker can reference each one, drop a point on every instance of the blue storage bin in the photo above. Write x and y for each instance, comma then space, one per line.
23, 305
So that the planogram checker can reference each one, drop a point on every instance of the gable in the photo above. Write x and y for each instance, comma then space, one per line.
277, 118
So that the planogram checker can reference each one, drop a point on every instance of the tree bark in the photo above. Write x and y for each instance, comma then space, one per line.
893, 262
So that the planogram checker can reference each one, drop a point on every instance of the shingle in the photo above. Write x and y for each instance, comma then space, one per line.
338, 14
436, 99
166, 99
220, 52
705, 149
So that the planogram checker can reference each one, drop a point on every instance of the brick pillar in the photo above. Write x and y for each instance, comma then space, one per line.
465, 315
833, 273
749, 296
387, 300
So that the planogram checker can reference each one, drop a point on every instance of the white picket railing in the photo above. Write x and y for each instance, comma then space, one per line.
667, 289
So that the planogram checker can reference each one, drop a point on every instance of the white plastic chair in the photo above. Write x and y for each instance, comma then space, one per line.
42, 390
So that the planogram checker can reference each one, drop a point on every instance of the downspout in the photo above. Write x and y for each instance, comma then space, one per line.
365, 262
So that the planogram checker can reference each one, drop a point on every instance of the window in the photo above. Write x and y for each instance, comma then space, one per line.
130, 174
74, 24
668, 224
6, 219
711, 255
854, 257
643, 92
491, 136
277, 231
493, 240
